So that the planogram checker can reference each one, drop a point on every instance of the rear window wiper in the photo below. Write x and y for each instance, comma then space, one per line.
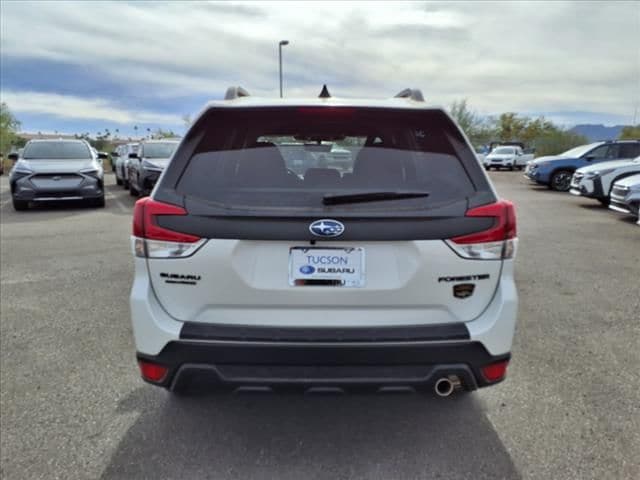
371, 197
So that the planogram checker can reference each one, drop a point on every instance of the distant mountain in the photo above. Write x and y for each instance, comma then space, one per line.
598, 132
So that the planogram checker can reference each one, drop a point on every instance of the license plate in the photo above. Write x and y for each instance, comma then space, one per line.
327, 266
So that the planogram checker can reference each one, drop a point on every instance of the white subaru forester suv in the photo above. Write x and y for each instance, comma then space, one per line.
394, 272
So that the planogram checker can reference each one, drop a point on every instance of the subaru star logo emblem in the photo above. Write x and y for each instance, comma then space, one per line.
307, 269
326, 228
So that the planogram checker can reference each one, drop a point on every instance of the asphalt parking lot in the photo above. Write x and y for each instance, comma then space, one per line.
73, 406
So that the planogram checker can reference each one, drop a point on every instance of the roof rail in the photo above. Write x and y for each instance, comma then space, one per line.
411, 93
235, 92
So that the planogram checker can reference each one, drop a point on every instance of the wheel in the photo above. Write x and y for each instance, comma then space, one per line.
20, 205
561, 181
487, 168
133, 191
604, 201
511, 168
125, 184
118, 181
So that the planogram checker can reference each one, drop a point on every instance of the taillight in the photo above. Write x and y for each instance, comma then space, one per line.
495, 371
154, 241
495, 243
152, 371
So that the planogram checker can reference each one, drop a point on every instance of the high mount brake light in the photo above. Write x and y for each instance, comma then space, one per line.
495, 243
154, 241
339, 112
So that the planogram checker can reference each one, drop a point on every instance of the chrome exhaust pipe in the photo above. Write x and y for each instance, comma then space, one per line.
446, 385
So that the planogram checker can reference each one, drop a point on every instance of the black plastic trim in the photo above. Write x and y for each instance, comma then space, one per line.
297, 229
215, 332
380, 364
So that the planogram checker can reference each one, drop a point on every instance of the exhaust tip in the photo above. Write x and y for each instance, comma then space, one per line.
446, 385
443, 387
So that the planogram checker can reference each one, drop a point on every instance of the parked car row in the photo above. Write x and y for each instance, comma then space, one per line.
608, 172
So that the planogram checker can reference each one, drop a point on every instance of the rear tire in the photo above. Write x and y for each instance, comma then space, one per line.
125, 184
20, 205
561, 181
118, 181
133, 191
604, 201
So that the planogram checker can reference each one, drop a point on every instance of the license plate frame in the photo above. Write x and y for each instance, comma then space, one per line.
320, 274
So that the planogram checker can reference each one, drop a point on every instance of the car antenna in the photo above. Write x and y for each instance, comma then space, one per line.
325, 92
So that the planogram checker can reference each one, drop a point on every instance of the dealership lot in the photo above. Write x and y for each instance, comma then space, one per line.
73, 405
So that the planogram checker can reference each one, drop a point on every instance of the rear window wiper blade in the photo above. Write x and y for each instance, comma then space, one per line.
371, 197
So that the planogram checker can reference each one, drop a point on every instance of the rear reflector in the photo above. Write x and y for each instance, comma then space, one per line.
152, 371
495, 371
495, 243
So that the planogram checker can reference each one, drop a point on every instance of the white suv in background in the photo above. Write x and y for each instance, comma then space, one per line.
122, 163
508, 157
394, 271
625, 196
596, 181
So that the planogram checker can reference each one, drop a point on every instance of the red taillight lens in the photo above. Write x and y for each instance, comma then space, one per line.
145, 225
495, 371
504, 227
152, 371
497, 242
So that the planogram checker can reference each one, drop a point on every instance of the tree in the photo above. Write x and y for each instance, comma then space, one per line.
187, 120
9, 126
479, 130
557, 141
160, 133
511, 127
630, 132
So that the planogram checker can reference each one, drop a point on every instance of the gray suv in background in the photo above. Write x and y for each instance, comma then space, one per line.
56, 170
146, 165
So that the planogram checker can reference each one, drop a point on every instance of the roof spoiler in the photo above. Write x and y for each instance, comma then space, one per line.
412, 94
235, 92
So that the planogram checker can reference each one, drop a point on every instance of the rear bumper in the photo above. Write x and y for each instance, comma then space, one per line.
307, 365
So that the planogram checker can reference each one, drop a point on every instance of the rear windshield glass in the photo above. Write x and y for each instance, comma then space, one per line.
57, 150
292, 159
159, 150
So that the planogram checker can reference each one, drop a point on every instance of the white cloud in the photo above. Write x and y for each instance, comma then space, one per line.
70, 107
522, 56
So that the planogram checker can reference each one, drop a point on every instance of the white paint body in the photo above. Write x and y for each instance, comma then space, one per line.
246, 283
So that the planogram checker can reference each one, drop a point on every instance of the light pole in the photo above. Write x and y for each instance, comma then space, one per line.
280, 45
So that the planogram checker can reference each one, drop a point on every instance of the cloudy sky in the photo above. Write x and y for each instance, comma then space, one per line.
85, 66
